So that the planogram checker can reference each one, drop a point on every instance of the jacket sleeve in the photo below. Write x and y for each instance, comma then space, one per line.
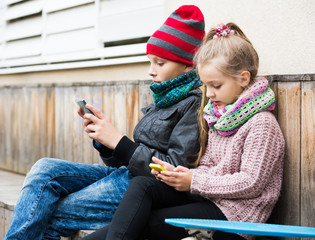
183, 144
106, 155
262, 154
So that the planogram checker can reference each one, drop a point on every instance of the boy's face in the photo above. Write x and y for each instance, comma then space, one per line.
162, 70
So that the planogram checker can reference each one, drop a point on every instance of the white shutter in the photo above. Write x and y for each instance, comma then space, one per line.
73, 41
28, 27
56, 5
1, 51
121, 19
37, 32
24, 8
22, 48
8, 2
2, 23
70, 19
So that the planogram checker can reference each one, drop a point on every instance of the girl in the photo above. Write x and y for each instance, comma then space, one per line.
239, 172
60, 197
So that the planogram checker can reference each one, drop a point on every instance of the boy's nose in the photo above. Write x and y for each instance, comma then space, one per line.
151, 72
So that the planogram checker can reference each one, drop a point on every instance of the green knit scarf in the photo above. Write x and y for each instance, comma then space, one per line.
167, 93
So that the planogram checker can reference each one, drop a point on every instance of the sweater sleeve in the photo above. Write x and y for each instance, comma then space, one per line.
262, 151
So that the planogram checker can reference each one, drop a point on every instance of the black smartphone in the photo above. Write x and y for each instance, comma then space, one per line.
82, 103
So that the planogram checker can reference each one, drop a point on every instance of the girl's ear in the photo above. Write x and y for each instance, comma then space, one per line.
188, 68
245, 78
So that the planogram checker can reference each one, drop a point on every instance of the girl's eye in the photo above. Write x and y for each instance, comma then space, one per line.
217, 86
160, 64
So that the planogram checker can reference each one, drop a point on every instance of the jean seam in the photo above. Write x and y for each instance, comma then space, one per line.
41, 193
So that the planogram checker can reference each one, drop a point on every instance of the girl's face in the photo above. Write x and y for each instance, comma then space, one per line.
221, 89
162, 70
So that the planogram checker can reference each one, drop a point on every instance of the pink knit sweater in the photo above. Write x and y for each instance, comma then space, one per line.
242, 173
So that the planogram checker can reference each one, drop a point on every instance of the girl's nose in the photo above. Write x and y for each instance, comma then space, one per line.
210, 93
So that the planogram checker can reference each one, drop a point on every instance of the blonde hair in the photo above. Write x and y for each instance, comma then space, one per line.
238, 54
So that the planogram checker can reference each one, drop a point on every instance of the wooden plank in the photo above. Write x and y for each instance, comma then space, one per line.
48, 112
78, 132
8, 129
59, 125
308, 155
108, 100
22, 144
120, 108
289, 108
32, 130
132, 108
274, 87
46, 122
2, 232
96, 101
87, 150
67, 120
15, 125
145, 95
7, 219
2, 129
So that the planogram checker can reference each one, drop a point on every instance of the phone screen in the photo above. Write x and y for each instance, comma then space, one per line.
82, 103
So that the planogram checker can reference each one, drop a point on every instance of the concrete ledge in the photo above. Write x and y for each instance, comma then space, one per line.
10, 186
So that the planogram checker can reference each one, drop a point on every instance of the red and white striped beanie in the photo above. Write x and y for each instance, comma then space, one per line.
180, 36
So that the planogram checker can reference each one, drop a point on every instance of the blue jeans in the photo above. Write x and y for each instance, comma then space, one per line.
60, 197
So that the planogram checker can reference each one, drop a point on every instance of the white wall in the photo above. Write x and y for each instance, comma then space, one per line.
282, 31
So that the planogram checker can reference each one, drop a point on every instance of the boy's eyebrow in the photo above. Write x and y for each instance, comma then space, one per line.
156, 58
160, 59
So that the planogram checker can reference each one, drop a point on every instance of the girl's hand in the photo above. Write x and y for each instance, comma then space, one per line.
166, 165
178, 178
100, 129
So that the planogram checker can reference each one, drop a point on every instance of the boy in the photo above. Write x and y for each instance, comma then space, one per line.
59, 197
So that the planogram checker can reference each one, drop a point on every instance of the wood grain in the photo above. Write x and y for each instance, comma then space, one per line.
308, 155
289, 108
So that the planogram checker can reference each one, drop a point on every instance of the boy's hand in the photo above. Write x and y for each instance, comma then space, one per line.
99, 128
178, 178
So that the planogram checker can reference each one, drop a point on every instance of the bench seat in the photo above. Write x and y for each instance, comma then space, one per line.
10, 186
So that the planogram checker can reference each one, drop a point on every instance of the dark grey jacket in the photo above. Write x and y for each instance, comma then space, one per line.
170, 134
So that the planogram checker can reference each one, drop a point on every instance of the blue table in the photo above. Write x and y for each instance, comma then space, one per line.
264, 229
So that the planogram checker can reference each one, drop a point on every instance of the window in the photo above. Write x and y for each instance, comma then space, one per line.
41, 32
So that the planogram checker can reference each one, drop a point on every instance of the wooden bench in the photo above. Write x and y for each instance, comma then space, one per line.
10, 186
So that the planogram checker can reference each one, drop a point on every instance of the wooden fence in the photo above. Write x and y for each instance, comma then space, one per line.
41, 120
296, 115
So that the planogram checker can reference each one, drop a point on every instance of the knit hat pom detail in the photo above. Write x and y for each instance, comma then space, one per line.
190, 12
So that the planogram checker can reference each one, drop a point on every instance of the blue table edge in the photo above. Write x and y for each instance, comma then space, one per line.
264, 229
